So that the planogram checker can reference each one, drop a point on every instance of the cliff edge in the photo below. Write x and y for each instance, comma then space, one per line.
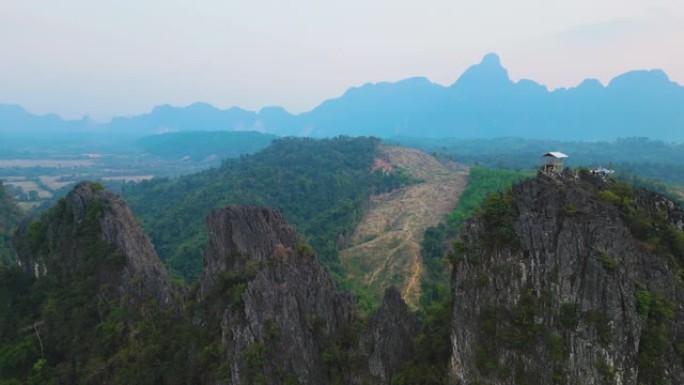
266, 294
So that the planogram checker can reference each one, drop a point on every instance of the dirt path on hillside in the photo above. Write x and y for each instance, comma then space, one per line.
385, 247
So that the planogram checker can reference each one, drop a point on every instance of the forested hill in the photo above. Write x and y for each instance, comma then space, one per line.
321, 186
204, 145
9, 217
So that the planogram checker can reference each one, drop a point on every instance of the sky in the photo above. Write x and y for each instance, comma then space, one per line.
123, 57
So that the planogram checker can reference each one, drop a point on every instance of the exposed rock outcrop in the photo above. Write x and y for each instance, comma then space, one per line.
655, 204
241, 235
91, 223
388, 342
265, 311
101, 300
554, 283
285, 312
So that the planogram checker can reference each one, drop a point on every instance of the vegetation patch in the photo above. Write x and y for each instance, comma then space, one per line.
555, 346
599, 320
643, 299
655, 338
433, 347
383, 182
304, 250
606, 370
108, 341
517, 330
255, 358
652, 231
569, 316
481, 182
9, 218
679, 349
498, 212
569, 210
607, 261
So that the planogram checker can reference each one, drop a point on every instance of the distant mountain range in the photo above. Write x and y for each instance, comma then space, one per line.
482, 103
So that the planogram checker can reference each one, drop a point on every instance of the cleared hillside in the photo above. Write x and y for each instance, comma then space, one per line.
385, 246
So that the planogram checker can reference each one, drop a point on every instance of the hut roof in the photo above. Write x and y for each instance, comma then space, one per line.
554, 154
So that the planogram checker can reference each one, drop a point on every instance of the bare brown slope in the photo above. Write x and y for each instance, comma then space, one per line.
385, 247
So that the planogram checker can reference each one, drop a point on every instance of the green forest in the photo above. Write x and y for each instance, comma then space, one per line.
72, 326
198, 145
9, 218
321, 186
646, 158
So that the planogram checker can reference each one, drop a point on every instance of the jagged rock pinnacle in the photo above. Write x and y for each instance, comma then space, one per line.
88, 214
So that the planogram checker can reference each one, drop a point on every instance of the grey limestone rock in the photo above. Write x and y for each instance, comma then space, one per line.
561, 306
389, 338
90, 211
288, 311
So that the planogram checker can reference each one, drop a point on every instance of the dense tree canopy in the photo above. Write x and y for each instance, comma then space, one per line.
9, 217
645, 158
321, 186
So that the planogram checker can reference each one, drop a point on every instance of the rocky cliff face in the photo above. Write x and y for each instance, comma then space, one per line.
280, 318
101, 304
388, 341
283, 311
240, 236
569, 281
265, 311
92, 222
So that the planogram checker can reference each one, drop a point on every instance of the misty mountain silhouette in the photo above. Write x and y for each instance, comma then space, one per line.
483, 102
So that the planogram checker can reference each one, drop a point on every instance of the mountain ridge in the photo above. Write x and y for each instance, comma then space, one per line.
483, 102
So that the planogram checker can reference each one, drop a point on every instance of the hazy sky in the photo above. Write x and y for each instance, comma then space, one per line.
122, 57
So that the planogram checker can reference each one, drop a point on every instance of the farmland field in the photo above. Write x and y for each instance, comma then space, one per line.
29, 185
55, 182
128, 178
35, 181
47, 163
